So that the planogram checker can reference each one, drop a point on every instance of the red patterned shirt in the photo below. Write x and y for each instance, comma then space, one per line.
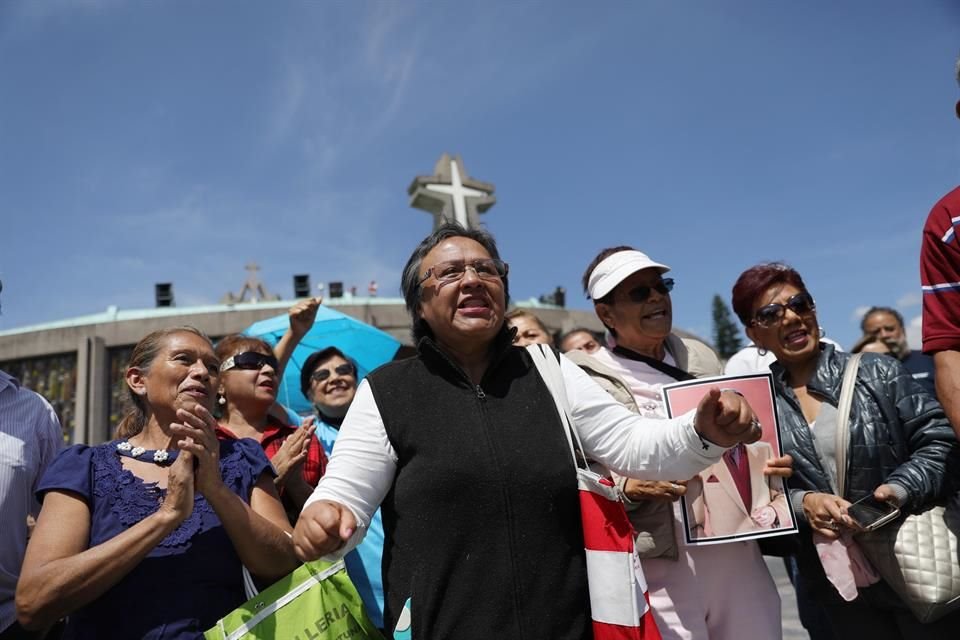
940, 275
271, 440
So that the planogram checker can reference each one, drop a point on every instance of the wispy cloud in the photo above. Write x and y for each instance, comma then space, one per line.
391, 50
869, 243
330, 106
908, 300
27, 15
915, 332
857, 314
287, 103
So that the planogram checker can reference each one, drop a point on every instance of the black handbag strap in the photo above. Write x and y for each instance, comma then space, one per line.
674, 372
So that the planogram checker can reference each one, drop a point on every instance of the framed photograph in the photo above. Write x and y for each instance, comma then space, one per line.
733, 500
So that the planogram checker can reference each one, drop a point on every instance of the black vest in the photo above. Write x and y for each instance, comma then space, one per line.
482, 521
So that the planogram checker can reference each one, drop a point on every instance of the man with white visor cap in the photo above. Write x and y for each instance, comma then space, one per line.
717, 592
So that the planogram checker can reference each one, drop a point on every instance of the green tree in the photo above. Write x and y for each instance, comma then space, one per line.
726, 333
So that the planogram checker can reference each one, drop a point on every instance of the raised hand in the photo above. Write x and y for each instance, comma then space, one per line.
725, 418
323, 528
302, 316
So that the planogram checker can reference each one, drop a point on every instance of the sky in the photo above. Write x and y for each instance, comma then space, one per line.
145, 142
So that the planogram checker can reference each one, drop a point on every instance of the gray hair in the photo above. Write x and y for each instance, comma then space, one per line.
890, 311
410, 280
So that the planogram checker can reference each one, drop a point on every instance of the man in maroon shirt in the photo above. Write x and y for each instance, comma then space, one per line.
940, 277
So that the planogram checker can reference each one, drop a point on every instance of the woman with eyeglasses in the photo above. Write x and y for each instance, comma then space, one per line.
463, 448
900, 449
249, 377
632, 297
144, 536
328, 379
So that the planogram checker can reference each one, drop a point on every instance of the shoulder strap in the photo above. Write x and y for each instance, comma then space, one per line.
548, 366
659, 365
843, 419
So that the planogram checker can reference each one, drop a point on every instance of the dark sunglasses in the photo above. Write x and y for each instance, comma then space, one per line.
341, 370
249, 360
641, 293
801, 304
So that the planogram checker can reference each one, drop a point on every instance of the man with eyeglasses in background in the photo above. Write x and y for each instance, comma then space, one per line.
688, 585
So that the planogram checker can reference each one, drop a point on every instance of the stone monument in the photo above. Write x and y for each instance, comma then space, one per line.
252, 288
451, 195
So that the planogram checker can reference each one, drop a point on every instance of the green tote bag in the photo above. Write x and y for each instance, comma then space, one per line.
315, 602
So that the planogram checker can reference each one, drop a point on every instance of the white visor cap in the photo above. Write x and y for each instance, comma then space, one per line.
616, 268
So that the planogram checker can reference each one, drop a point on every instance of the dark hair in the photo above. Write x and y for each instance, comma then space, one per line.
314, 360
143, 355
409, 281
231, 345
873, 310
607, 299
753, 282
237, 342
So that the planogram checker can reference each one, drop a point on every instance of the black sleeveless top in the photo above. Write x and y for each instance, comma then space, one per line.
482, 523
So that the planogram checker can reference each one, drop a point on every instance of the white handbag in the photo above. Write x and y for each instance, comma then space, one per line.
916, 555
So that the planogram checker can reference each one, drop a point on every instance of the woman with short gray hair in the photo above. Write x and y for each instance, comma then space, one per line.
463, 448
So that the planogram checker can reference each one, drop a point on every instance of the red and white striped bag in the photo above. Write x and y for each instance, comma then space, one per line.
619, 605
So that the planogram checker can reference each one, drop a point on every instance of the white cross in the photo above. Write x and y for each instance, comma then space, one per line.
458, 193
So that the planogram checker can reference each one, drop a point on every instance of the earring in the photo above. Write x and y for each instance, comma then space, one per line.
222, 400
761, 351
823, 332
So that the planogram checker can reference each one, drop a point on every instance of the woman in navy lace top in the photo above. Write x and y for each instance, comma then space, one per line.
144, 537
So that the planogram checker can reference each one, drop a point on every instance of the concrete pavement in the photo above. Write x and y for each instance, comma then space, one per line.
792, 629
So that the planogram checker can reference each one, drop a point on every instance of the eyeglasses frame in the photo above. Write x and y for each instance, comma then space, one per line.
429, 272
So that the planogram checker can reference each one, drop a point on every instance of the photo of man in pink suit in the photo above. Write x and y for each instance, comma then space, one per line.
734, 497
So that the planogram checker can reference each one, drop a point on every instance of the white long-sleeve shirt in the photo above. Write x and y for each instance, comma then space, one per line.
363, 465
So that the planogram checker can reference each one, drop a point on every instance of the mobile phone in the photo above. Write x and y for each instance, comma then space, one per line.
871, 514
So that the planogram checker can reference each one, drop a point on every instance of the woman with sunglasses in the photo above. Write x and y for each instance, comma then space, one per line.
249, 378
329, 380
901, 447
144, 537
631, 296
464, 449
